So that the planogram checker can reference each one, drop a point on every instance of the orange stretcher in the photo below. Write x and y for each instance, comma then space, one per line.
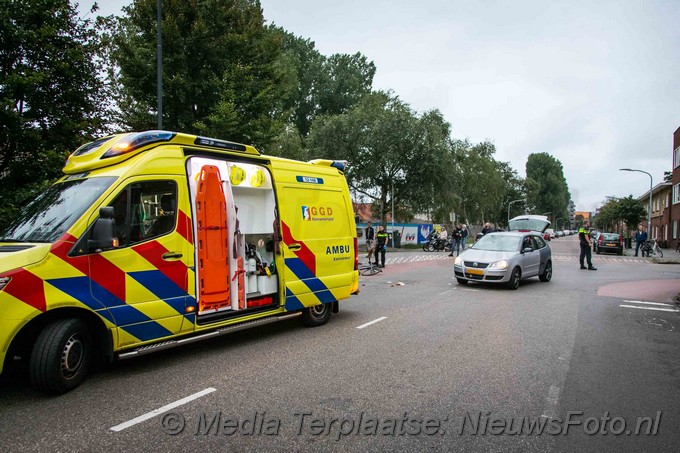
212, 241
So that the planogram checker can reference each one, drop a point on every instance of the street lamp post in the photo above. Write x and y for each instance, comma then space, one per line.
510, 204
559, 218
649, 213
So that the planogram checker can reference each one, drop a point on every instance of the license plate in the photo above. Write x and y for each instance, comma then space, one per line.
611, 245
474, 271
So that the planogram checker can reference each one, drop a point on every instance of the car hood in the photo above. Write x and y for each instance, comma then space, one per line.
485, 256
18, 255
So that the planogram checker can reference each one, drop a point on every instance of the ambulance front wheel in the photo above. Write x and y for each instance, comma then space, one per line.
317, 315
61, 356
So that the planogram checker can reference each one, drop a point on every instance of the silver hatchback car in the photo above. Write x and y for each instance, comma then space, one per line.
508, 257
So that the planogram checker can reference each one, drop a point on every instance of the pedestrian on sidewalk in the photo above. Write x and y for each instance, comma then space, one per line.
456, 237
586, 246
370, 239
640, 238
463, 236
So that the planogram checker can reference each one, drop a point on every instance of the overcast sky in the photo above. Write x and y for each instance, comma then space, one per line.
594, 83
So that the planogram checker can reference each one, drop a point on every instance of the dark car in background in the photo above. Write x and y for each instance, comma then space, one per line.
608, 242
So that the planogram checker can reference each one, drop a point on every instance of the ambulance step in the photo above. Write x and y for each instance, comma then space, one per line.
214, 333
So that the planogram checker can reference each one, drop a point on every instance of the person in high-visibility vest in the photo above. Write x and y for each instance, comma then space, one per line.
586, 251
381, 246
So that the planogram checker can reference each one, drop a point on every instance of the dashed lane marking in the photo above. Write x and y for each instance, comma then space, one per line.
647, 303
372, 322
648, 308
160, 410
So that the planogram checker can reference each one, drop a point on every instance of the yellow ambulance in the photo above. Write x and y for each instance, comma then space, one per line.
156, 239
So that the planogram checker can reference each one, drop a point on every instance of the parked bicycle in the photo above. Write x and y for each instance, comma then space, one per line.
651, 248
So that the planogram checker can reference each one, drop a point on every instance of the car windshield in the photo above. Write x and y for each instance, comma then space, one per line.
497, 243
52, 213
610, 236
532, 223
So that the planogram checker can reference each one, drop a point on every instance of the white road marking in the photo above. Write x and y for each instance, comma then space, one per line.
160, 410
441, 294
647, 303
552, 400
649, 308
371, 322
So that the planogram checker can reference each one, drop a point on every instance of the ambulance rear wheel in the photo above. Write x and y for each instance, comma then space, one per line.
61, 356
317, 315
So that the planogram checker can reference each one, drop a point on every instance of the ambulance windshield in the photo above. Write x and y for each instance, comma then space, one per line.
52, 213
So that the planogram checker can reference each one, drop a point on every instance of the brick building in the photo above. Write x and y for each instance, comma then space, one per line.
674, 214
661, 211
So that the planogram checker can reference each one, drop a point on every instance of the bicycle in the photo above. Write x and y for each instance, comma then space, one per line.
651, 248
369, 269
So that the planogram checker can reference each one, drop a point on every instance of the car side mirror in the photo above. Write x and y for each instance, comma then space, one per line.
527, 250
103, 231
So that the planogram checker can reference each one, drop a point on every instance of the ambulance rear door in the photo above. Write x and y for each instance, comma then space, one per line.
318, 233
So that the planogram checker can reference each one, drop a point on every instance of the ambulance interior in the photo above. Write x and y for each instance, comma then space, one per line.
234, 208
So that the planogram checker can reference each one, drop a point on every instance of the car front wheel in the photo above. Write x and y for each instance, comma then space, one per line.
515, 277
61, 356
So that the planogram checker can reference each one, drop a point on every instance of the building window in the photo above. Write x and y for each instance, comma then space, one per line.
676, 157
665, 232
676, 194
675, 229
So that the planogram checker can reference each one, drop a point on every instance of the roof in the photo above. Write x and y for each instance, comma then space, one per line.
661, 187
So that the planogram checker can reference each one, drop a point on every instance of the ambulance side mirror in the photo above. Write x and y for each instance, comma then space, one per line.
103, 231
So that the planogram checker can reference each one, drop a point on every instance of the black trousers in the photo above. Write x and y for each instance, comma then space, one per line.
586, 253
380, 249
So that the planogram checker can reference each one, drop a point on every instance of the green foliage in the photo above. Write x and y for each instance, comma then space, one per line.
222, 71
484, 186
51, 96
616, 210
321, 85
547, 189
390, 149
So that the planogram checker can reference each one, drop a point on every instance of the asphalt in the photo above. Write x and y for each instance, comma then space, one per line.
430, 347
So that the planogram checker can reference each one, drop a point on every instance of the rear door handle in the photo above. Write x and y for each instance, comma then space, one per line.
171, 256
294, 247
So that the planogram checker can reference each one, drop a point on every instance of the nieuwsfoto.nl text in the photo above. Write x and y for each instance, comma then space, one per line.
480, 423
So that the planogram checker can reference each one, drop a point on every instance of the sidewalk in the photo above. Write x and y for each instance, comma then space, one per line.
670, 256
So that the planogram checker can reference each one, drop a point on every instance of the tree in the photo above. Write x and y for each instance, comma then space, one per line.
222, 71
322, 85
52, 98
631, 211
547, 189
391, 151
480, 182
616, 210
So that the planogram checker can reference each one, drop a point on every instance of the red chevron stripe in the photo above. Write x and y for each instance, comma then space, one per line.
184, 227
305, 254
98, 268
175, 270
26, 287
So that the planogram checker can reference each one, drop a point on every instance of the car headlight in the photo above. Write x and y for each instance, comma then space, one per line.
4, 281
502, 264
457, 261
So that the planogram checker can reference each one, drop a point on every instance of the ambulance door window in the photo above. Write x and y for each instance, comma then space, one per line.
145, 210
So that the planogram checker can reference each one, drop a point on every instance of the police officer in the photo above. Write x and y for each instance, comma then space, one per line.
381, 246
586, 251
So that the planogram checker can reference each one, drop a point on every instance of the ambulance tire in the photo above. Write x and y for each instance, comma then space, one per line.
317, 315
61, 356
